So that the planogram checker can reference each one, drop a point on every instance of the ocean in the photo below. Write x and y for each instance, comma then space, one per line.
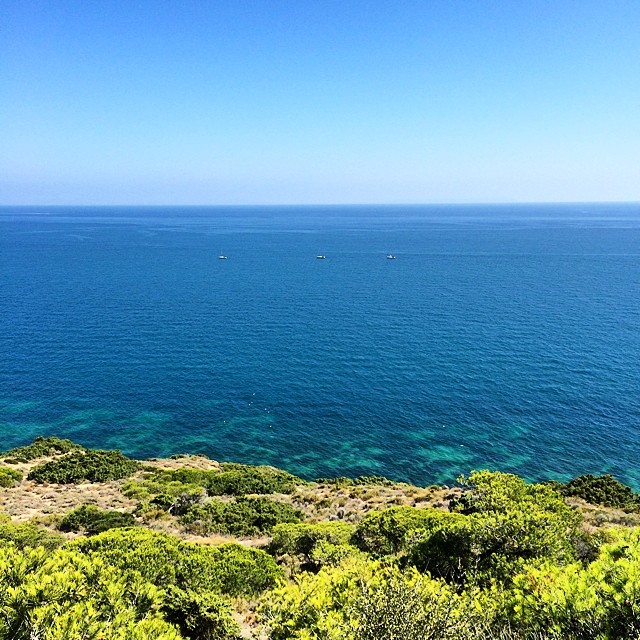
503, 337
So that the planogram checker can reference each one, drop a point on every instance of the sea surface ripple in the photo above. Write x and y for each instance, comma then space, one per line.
501, 337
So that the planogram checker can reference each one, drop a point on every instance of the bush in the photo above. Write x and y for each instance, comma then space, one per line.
165, 560
484, 547
79, 466
41, 447
389, 531
92, 520
603, 490
302, 539
29, 535
200, 616
598, 602
509, 523
239, 480
64, 595
183, 502
232, 479
9, 477
495, 492
242, 517
361, 600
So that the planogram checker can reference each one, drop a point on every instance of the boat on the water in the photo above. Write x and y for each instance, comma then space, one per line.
222, 257
390, 256
321, 257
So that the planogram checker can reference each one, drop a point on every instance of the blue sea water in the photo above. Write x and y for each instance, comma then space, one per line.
501, 337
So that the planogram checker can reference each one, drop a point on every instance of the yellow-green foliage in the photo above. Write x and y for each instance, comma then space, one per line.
301, 538
495, 492
241, 517
200, 616
509, 524
392, 530
28, 535
314, 545
363, 600
66, 595
9, 477
490, 546
91, 520
230, 479
598, 602
41, 447
240, 479
82, 466
166, 560
152, 486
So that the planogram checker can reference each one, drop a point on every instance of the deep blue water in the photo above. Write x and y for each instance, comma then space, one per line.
502, 336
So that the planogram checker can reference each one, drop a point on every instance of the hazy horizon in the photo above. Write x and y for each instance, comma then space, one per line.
276, 103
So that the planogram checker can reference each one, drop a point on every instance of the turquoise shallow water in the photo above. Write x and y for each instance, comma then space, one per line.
502, 336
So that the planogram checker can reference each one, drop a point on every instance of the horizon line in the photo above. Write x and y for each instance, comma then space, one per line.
330, 204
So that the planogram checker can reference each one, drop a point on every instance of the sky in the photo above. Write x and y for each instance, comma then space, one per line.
319, 101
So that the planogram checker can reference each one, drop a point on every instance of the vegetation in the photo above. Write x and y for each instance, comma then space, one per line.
230, 479
495, 559
242, 517
9, 477
91, 520
391, 531
312, 546
603, 490
41, 447
27, 535
166, 560
85, 466
239, 480
68, 595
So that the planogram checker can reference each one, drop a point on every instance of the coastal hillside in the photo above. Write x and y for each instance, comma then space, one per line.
96, 545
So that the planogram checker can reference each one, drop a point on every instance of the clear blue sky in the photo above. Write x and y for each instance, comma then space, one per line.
319, 101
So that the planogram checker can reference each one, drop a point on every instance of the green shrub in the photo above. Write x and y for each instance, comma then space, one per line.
9, 477
599, 601
92, 520
509, 524
494, 492
239, 480
242, 517
198, 477
391, 530
231, 479
241, 570
484, 547
29, 535
79, 466
41, 447
200, 616
160, 489
302, 538
328, 554
65, 595
166, 560
362, 600
603, 490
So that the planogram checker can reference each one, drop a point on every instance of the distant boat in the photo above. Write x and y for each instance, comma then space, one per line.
222, 257
321, 257
390, 256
